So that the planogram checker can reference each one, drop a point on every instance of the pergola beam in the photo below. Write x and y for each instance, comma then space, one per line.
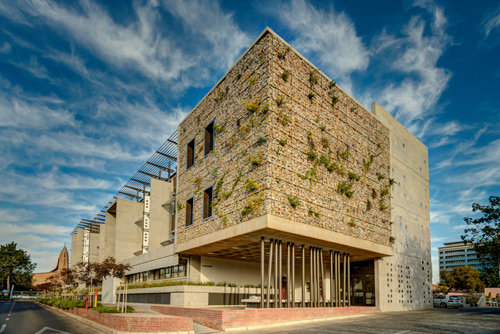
160, 167
137, 189
168, 156
138, 181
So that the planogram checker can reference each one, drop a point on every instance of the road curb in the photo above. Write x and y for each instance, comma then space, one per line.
99, 327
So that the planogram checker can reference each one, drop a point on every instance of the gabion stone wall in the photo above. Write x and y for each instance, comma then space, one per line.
289, 142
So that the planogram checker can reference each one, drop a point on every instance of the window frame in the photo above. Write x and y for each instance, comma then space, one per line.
212, 124
193, 153
211, 200
192, 212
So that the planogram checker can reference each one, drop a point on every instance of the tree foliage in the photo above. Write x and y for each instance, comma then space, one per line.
463, 278
92, 272
15, 266
484, 232
490, 277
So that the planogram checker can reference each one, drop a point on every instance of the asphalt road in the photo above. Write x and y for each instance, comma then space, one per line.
461, 321
24, 317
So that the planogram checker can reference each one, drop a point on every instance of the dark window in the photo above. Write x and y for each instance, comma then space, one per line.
207, 203
189, 212
190, 154
209, 138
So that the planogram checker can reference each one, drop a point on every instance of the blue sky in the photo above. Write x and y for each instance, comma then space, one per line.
89, 90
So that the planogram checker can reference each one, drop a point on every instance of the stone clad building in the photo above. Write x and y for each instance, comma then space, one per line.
283, 180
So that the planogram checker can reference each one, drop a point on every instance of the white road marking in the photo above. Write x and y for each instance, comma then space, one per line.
41, 331
402, 332
2, 329
7, 319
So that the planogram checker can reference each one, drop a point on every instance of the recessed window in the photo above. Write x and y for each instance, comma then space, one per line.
190, 154
207, 203
209, 138
189, 212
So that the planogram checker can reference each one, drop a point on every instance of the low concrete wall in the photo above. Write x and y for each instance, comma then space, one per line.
227, 319
141, 322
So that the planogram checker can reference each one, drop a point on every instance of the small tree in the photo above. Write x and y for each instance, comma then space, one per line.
109, 267
484, 232
15, 265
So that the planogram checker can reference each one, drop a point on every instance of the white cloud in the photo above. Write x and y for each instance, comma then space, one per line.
143, 44
138, 45
210, 25
491, 22
328, 34
20, 114
5, 48
416, 56
438, 239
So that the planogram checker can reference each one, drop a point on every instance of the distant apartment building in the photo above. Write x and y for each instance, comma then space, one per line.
456, 254
280, 185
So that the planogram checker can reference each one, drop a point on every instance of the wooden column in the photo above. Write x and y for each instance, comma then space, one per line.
288, 275
337, 278
331, 279
344, 268
318, 279
348, 279
270, 269
276, 273
303, 276
280, 275
323, 287
293, 275
311, 285
262, 273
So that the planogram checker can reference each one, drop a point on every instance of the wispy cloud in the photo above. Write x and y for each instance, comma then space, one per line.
491, 22
327, 34
5, 48
415, 56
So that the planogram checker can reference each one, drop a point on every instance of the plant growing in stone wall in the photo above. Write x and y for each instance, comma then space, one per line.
335, 99
313, 77
220, 128
353, 176
251, 185
282, 142
257, 159
253, 205
314, 213
282, 118
345, 188
392, 239
261, 140
324, 142
280, 101
284, 75
293, 201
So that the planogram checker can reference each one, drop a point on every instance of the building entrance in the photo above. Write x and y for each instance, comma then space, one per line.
363, 287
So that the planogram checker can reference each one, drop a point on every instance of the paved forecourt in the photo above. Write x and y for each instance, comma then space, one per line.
462, 321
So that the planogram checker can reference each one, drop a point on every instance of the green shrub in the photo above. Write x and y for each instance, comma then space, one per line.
111, 309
